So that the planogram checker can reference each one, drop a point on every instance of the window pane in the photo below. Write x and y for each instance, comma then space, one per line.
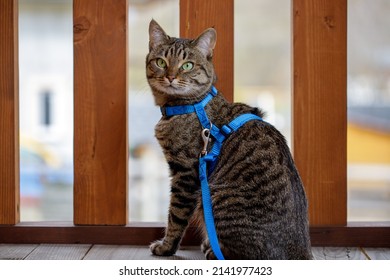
262, 59
46, 109
368, 110
148, 172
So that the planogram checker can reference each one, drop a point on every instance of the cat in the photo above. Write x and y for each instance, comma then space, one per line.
259, 202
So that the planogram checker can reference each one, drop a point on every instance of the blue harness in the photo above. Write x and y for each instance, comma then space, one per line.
208, 160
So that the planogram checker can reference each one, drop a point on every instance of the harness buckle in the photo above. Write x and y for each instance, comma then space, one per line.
206, 140
226, 130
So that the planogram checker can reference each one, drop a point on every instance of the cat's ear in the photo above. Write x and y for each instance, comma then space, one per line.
206, 42
157, 35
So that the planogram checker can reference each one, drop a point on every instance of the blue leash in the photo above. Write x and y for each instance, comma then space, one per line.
209, 158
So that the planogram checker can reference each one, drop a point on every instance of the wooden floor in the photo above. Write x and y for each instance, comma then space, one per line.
120, 252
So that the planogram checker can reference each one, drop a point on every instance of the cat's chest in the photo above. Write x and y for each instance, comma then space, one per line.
179, 132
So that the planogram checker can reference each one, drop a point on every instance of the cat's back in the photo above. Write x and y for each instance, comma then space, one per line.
256, 159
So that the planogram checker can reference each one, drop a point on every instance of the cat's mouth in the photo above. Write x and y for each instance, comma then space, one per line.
171, 85
167, 88
171, 88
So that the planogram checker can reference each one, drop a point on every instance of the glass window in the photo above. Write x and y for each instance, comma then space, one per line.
368, 110
46, 110
262, 62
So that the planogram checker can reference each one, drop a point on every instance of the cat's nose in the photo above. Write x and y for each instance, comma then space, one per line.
171, 78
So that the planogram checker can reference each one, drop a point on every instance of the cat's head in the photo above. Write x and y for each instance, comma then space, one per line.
179, 70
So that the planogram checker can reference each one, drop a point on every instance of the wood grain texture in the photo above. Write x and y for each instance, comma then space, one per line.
186, 253
9, 113
117, 252
198, 15
16, 251
338, 253
111, 252
377, 253
100, 118
319, 106
59, 252
126, 252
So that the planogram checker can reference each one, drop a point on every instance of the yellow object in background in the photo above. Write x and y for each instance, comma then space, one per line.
367, 145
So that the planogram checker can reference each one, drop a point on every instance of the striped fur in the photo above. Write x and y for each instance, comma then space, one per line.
259, 203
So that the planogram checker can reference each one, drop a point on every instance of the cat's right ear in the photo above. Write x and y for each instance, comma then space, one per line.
157, 35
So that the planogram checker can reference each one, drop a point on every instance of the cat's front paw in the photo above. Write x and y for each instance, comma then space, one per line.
160, 248
207, 251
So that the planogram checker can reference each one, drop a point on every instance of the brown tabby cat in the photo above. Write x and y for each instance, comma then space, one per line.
259, 203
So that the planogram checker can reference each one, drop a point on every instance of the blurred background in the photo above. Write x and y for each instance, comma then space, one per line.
262, 78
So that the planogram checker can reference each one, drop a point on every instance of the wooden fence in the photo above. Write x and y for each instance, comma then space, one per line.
319, 70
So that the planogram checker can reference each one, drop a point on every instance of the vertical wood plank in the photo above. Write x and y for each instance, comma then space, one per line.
319, 106
195, 17
9, 113
100, 120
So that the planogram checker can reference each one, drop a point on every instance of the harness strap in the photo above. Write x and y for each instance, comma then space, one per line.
208, 210
211, 158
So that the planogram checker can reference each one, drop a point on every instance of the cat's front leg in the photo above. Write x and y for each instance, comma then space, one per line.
181, 209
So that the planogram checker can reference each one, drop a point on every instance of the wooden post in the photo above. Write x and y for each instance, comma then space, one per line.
195, 17
319, 106
9, 114
100, 122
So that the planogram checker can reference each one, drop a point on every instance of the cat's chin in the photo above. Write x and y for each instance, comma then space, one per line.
169, 92
173, 90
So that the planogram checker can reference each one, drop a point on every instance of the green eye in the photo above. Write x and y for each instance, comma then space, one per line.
187, 66
161, 63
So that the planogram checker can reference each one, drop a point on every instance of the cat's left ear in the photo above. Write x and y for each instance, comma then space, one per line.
206, 42
157, 35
